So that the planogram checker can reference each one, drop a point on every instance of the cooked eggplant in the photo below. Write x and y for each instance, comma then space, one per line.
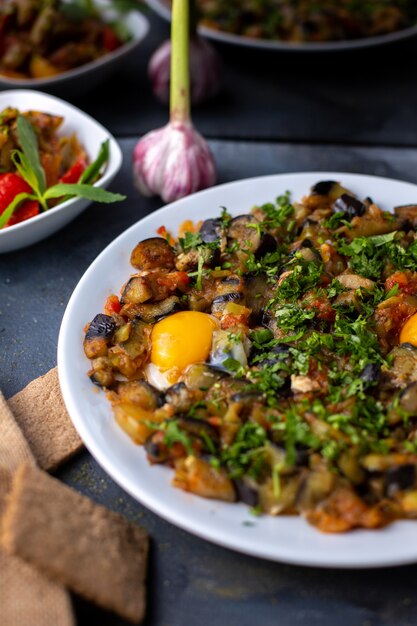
399, 478
220, 302
136, 291
267, 245
245, 397
101, 378
256, 295
308, 254
231, 280
408, 399
225, 347
99, 335
323, 188
246, 491
330, 189
314, 488
407, 212
277, 354
153, 253
141, 393
179, 397
211, 230
349, 206
371, 374
155, 311
157, 451
137, 342
403, 369
201, 376
354, 281
198, 428
187, 261
242, 229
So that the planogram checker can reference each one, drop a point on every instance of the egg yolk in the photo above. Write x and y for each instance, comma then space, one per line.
182, 339
408, 332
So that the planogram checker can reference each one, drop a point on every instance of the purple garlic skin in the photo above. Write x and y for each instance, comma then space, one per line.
206, 70
173, 162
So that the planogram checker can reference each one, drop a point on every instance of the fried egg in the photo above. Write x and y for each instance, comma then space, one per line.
408, 332
177, 342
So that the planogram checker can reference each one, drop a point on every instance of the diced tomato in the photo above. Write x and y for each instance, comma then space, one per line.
112, 305
11, 185
74, 173
109, 39
321, 305
162, 232
406, 281
174, 280
231, 320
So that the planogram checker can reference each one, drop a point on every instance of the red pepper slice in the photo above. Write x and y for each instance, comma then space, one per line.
73, 175
109, 39
10, 186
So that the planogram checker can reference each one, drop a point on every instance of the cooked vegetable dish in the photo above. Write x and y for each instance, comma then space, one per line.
40, 169
308, 20
42, 38
271, 357
63, 158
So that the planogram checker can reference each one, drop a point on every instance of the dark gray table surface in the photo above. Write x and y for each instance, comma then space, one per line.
276, 114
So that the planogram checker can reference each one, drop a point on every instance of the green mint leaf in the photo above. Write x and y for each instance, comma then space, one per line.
83, 191
29, 144
16, 202
93, 170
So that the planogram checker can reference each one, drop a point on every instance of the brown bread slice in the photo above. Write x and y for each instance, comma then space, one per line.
27, 596
93, 551
41, 414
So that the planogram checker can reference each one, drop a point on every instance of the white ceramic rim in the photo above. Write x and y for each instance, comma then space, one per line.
79, 72
113, 167
161, 8
326, 547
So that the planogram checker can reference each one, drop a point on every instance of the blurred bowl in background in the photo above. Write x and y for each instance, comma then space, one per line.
86, 77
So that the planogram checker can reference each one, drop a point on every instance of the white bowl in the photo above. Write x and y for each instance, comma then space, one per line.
88, 76
284, 538
90, 133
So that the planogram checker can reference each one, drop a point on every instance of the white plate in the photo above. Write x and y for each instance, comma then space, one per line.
285, 538
90, 133
88, 76
162, 8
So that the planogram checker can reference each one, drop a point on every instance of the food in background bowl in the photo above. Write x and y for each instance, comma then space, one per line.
39, 168
43, 38
272, 357
305, 21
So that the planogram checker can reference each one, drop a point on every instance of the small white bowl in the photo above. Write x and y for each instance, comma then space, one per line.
90, 133
88, 76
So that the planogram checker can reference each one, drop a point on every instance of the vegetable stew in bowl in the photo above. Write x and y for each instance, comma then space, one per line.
272, 357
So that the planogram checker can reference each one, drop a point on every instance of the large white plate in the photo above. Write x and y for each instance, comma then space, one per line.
163, 9
287, 538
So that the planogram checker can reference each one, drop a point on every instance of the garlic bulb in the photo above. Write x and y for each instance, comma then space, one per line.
205, 70
173, 162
